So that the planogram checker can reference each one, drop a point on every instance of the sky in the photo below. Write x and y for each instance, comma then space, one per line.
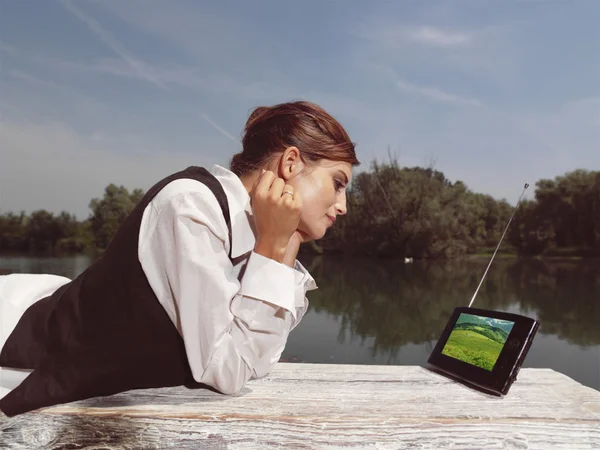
93, 92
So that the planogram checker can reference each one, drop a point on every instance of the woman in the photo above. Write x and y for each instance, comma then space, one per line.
199, 285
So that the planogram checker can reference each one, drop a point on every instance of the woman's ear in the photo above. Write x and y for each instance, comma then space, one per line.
290, 163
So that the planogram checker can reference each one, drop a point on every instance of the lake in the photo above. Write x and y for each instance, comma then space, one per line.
375, 311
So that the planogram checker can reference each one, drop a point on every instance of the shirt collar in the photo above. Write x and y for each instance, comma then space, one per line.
242, 220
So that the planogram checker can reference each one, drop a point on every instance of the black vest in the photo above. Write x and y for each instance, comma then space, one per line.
105, 332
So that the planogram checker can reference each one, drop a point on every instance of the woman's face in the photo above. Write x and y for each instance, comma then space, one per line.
323, 191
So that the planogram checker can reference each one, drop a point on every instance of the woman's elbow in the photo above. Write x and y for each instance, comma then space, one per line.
228, 378
229, 388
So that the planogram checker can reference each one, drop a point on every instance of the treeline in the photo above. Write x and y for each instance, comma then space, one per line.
44, 232
395, 211
417, 212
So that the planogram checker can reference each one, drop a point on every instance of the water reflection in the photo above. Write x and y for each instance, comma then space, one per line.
66, 266
392, 313
397, 304
370, 311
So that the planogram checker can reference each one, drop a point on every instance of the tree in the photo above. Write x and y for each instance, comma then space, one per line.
414, 212
565, 214
13, 232
109, 212
393, 211
43, 231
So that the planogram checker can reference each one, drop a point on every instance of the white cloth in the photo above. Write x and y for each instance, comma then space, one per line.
234, 318
17, 293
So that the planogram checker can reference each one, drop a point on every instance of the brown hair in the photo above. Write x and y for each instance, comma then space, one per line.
271, 129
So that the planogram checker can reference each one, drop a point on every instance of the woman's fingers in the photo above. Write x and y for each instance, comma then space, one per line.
269, 185
277, 208
276, 189
263, 184
287, 190
297, 202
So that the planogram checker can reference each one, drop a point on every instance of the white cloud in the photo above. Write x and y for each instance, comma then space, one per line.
220, 43
110, 66
75, 95
144, 70
436, 94
36, 97
437, 37
7, 48
389, 75
218, 128
71, 169
399, 36
493, 51
187, 77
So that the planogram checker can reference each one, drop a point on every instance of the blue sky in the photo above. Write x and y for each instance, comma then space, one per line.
494, 93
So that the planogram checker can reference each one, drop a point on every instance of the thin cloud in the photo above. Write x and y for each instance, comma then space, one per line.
7, 48
186, 77
19, 75
398, 36
61, 154
437, 37
135, 63
73, 95
139, 66
435, 94
432, 93
218, 128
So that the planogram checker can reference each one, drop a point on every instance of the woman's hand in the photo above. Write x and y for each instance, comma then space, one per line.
277, 210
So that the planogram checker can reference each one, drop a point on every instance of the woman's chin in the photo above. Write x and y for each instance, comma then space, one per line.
319, 234
311, 234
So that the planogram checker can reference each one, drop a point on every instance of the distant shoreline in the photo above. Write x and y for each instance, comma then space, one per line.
540, 257
471, 257
504, 253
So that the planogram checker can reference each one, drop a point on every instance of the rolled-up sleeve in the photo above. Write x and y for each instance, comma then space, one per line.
268, 280
233, 329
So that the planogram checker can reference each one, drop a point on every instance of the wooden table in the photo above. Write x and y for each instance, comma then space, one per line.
326, 406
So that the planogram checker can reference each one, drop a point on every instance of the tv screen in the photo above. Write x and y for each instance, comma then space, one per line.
477, 340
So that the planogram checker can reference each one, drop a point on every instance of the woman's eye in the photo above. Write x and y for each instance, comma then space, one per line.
339, 185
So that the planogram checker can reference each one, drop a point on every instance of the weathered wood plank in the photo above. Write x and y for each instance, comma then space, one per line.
326, 406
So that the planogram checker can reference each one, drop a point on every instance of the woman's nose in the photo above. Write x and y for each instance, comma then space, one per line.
340, 207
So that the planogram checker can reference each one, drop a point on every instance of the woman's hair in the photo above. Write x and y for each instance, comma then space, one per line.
271, 129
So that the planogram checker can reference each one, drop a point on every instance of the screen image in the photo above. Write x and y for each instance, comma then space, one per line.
477, 340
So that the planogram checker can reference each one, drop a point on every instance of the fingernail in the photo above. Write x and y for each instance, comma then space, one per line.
263, 171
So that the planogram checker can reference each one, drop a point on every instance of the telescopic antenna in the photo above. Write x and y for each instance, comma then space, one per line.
507, 225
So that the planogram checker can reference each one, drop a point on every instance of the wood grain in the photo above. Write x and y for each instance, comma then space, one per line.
325, 406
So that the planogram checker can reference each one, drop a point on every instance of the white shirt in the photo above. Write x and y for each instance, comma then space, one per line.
234, 317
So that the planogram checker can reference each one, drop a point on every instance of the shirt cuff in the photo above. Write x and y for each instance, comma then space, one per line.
303, 278
267, 280
304, 282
